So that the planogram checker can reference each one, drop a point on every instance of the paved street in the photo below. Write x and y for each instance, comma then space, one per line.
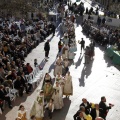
91, 81
99, 78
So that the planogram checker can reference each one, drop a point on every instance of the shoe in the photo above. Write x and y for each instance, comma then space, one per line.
10, 107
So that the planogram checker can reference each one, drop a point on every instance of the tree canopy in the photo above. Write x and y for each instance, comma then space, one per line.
21, 6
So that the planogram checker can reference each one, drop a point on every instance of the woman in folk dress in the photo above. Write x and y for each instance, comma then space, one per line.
66, 39
58, 87
47, 78
58, 77
68, 87
37, 108
60, 80
66, 64
48, 91
58, 66
22, 113
57, 97
65, 51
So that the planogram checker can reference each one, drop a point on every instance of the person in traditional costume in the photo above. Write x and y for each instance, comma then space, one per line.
50, 108
68, 87
22, 113
72, 49
58, 77
38, 106
48, 91
65, 51
60, 80
47, 78
58, 66
66, 64
66, 39
57, 97
60, 45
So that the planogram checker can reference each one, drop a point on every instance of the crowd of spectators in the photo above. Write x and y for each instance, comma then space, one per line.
102, 34
17, 39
